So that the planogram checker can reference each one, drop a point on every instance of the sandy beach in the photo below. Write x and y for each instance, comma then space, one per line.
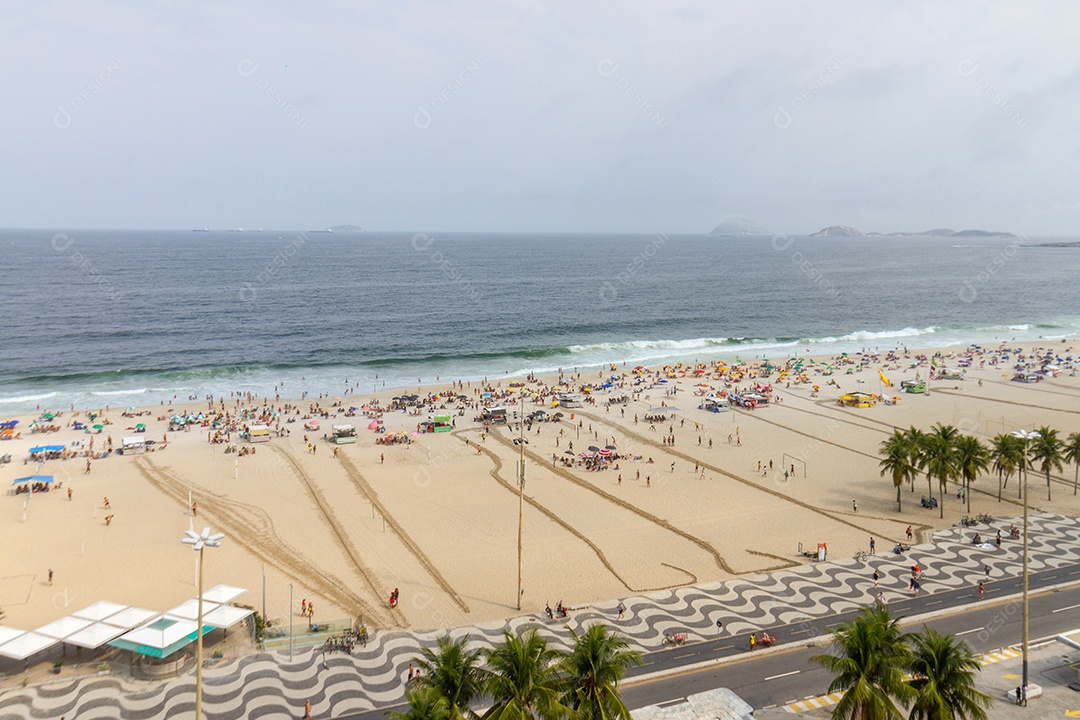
437, 518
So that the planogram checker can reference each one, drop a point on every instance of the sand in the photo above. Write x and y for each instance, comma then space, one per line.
439, 520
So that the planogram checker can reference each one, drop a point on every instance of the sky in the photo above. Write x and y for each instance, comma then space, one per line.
540, 115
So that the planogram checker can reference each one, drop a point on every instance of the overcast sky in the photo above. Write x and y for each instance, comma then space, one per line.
540, 115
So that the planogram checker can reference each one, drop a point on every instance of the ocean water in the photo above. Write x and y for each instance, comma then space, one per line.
126, 318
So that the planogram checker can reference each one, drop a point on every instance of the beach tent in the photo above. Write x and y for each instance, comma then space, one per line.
159, 638
33, 479
26, 644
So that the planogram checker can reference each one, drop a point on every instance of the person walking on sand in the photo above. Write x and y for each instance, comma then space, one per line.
194, 509
107, 505
69, 494
108, 520
910, 534
873, 547
303, 607
50, 577
854, 506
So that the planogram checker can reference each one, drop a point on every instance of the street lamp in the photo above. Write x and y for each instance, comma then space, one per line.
1025, 436
198, 541
520, 441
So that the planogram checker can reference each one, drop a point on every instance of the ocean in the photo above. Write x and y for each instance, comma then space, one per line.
125, 318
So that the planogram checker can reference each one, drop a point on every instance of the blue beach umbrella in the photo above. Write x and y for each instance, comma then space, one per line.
33, 479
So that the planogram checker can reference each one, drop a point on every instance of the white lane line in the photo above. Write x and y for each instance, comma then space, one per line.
967, 632
793, 672
1070, 607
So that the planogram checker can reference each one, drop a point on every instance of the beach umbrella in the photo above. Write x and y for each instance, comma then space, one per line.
568, 452
48, 416
373, 425
610, 447
33, 478
99, 426
140, 425
593, 448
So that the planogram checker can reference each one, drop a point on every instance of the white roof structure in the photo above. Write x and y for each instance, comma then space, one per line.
100, 610
67, 625
222, 593
8, 633
94, 636
159, 638
189, 609
225, 616
26, 645
130, 617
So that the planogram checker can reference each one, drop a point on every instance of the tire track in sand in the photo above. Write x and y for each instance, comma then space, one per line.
831, 514
655, 520
252, 526
365, 488
331, 519
550, 514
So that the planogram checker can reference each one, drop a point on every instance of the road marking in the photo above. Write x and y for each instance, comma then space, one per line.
1070, 607
935, 602
793, 672
680, 657
968, 632
813, 703
1075, 571
902, 608
725, 647
991, 658
670, 702
798, 632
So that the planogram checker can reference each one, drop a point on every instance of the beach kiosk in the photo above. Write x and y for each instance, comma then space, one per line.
343, 434
258, 434
134, 445
440, 424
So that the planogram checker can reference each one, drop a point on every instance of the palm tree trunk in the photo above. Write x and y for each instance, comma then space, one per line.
1076, 477
967, 493
999, 486
1048, 484
941, 505
898, 509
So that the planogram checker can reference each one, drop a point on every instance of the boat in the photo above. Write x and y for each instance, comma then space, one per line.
327, 230
201, 230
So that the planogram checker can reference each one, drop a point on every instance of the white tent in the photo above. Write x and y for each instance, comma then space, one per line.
100, 610
222, 593
67, 625
94, 636
26, 645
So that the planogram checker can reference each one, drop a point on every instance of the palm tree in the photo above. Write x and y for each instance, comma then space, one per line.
896, 461
1006, 452
918, 443
869, 667
593, 668
523, 679
1072, 454
940, 462
972, 458
452, 670
943, 673
1048, 450
425, 703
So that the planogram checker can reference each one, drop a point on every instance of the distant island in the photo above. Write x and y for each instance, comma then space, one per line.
738, 225
845, 231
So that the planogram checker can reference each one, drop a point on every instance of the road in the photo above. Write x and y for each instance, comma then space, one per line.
781, 676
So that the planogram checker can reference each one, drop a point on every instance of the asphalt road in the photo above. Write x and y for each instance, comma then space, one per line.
777, 677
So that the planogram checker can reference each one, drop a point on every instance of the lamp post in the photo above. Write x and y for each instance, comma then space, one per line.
199, 541
1025, 436
521, 492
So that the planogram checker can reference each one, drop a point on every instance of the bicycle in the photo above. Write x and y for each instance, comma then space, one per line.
861, 555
